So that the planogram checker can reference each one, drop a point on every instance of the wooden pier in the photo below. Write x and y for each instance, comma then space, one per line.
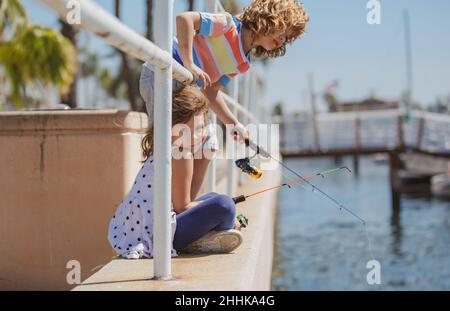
367, 132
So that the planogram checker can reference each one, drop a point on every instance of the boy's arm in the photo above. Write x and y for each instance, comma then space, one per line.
187, 24
220, 108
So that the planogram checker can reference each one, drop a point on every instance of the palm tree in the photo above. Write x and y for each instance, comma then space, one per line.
12, 15
149, 21
71, 33
231, 6
126, 73
190, 5
32, 57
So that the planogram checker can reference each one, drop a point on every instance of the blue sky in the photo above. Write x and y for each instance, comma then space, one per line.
339, 45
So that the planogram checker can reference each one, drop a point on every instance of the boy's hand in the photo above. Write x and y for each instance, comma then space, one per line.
243, 132
199, 75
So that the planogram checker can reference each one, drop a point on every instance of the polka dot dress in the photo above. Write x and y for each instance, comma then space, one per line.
131, 228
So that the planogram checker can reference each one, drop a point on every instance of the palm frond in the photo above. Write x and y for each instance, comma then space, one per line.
12, 16
38, 54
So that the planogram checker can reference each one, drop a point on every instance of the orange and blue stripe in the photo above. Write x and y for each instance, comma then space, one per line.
218, 48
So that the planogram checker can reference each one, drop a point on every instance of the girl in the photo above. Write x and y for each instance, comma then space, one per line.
131, 228
216, 48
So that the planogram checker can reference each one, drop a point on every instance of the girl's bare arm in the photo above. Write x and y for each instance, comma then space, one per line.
182, 171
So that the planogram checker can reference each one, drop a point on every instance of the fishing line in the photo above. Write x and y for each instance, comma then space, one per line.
314, 188
296, 181
366, 233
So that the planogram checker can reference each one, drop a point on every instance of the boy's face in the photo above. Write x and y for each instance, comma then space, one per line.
272, 41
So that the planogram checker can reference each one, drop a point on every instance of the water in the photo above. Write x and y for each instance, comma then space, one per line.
320, 247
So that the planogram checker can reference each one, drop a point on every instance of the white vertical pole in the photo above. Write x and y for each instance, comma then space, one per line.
409, 74
250, 91
253, 101
211, 176
246, 100
162, 231
212, 165
231, 182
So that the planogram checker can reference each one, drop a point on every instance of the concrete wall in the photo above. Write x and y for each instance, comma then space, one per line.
62, 175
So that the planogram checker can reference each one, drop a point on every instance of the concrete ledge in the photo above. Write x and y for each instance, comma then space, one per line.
62, 175
248, 268
61, 121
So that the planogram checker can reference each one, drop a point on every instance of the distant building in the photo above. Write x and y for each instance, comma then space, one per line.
368, 104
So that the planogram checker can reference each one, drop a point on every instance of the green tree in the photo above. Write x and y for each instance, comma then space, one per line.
12, 16
71, 33
127, 74
190, 5
231, 6
277, 109
331, 100
149, 19
32, 56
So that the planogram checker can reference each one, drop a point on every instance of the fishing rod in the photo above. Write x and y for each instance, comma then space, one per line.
255, 147
243, 197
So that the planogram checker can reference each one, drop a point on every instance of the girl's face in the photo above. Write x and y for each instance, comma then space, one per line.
272, 41
193, 138
198, 132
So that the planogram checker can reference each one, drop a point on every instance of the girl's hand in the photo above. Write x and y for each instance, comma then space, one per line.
193, 203
199, 74
237, 226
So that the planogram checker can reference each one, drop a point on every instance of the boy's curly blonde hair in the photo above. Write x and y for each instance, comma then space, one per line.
265, 17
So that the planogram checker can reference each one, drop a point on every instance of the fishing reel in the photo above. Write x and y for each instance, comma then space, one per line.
248, 168
243, 221
244, 164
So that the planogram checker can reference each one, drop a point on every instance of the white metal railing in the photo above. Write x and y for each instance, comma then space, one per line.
99, 22
365, 130
343, 131
428, 132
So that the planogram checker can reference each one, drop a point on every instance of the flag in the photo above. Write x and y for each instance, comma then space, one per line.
332, 85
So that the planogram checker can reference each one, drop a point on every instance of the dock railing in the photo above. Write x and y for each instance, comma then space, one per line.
363, 132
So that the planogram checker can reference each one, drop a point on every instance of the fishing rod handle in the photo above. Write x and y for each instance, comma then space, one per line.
239, 199
249, 143
246, 140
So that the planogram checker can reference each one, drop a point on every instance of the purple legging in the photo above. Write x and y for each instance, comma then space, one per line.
215, 212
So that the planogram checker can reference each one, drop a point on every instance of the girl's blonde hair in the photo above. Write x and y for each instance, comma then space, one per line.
265, 17
187, 102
